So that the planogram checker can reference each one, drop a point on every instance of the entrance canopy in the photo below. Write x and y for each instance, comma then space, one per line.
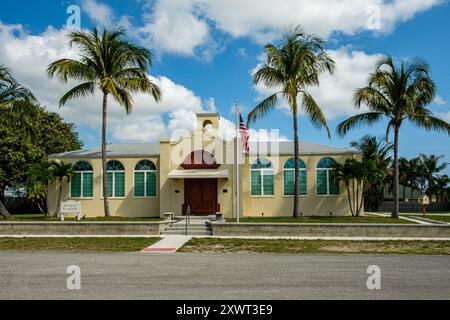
199, 174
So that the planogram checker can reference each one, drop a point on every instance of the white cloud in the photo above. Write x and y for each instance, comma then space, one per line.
335, 93
29, 55
100, 13
444, 115
261, 21
184, 26
174, 26
438, 100
189, 27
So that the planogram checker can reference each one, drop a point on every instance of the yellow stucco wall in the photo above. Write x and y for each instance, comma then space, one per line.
170, 197
128, 206
280, 205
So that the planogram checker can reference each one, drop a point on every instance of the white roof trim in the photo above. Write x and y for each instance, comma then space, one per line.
199, 174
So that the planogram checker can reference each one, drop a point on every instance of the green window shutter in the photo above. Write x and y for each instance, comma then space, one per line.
76, 185
256, 183
334, 182
151, 184
289, 182
119, 184
110, 184
139, 184
268, 183
303, 183
322, 182
88, 185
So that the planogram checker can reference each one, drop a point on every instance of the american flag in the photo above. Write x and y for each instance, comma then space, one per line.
245, 135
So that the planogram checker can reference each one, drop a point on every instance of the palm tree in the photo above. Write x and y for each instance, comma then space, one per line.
378, 151
61, 172
358, 176
441, 183
291, 68
39, 176
373, 148
398, 94
431, 165
111, 63
18, 98
12, 93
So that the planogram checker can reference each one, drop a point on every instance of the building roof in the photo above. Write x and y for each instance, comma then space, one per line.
287, 148
115, 150
153, 149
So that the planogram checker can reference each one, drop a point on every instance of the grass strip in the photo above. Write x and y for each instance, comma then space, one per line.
76, 244
364, 219
215, 245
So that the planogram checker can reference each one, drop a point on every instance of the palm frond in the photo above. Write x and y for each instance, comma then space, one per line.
262, 109
314, 113
430, 123
364, 119
79, 91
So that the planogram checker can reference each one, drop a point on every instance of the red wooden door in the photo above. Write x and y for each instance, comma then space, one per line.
201, 196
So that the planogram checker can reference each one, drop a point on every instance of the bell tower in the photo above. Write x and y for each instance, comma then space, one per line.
208, 121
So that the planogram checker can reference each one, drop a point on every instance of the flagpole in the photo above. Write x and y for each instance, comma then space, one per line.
237, 164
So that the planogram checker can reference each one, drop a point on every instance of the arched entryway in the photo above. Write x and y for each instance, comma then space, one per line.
200, 194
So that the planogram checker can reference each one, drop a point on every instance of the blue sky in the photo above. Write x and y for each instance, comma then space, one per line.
205, 52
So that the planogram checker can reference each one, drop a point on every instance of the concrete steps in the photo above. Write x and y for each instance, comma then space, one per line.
198, 228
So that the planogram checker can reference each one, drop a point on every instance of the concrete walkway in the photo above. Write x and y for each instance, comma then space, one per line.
401, 217
169, 244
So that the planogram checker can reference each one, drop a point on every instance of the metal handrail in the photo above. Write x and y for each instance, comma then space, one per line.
188, 218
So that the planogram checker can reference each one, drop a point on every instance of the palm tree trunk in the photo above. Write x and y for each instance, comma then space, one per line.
357, 198
58, 205
296, 212
350, 199
395, 193
104, 169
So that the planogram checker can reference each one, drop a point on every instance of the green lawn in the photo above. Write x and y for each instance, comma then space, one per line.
439, 218
77, 244
365, 219
214, 245
42, 218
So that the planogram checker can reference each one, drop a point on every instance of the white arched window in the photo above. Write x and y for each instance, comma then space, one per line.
262, 178
82, 181
289, 177
145, 175
327, 182
116, 179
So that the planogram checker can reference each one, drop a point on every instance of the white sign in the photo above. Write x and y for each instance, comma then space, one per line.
71, 207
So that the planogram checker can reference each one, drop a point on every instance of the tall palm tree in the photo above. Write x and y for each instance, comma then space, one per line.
398, 94
431, 166
291, 68
111, 63
60, 172
18, 98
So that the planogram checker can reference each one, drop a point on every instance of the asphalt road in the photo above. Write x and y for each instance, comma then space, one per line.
221, 276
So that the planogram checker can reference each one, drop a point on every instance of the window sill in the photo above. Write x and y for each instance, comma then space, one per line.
300, 195
258, 197
145, 198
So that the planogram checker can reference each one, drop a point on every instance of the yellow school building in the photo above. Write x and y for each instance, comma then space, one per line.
197, 173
